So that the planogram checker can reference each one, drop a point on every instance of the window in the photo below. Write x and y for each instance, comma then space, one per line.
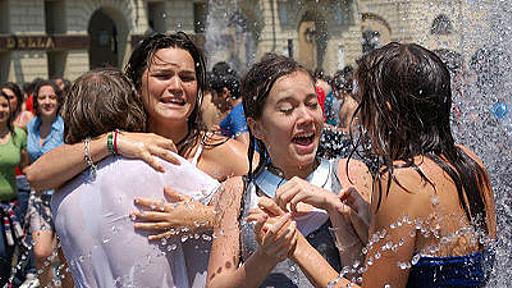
156, 17
441, 25
54, 17
4, 17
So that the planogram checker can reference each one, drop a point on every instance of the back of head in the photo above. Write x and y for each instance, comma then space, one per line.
343, 80
405, 100
405, 107
100, 101
223, 76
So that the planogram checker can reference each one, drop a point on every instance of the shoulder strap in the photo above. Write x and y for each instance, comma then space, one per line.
198, 153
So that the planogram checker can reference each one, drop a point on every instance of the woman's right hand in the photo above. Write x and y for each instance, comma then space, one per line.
275, 231
145, 146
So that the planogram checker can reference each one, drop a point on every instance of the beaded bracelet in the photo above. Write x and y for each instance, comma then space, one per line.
110, 143
88, 159
116, 147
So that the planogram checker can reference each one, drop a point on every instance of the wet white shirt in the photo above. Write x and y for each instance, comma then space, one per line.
97, 235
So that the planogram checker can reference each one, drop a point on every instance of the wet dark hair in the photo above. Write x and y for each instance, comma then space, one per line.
405, 108
343, 80
10, 119
223, 79
141, 59
100, 101
19, 96
256, 86
56, 89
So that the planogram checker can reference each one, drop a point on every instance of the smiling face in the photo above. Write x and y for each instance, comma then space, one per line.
47, 101
169, 87
291, 123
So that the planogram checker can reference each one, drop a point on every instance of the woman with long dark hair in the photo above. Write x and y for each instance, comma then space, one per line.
432, 209
286, 122
13, 144
168, 72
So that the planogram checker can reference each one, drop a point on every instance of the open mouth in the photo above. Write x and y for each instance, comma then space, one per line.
173, 101
304, 139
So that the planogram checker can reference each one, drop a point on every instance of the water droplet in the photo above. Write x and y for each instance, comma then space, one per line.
415, 259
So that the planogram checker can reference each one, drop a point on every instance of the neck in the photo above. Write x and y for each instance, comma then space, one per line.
47, 120
175, 131
3, 127
296, 171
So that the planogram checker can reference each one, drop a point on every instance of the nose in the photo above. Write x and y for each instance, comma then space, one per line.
175, 86
306, 116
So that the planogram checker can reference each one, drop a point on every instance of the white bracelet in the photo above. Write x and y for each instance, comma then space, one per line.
88, 159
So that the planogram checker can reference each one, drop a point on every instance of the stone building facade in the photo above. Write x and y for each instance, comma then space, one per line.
46, 38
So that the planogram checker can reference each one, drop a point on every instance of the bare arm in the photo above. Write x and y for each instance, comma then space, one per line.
223, 268
60, 165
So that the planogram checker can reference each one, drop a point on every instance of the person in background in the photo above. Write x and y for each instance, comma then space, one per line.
343, 87
16, 100
20, 117
13, 143
45, 133
209, 112
225, 85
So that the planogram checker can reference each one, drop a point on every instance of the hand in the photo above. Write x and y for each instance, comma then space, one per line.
275, 232
299, 190
158, 216
146, 145
359, 214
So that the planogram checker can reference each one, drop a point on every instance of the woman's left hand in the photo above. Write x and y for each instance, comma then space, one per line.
158, 216
299, 190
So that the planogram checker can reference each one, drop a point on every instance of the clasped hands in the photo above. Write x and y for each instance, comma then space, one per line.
276, 231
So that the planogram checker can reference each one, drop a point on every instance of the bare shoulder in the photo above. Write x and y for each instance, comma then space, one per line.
226, 156
355, 173
472, 155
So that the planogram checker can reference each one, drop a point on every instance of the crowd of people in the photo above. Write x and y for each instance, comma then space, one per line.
169, 175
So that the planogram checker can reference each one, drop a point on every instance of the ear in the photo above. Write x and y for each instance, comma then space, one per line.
256, 128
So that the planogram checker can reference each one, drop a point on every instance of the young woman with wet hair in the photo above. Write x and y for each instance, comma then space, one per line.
91, 211
13, 144
285, 123
432, 209
168, 71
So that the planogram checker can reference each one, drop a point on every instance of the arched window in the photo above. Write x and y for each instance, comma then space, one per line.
441, 25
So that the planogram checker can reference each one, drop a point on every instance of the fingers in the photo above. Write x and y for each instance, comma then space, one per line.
152, 161
167, 144
152, 226
160, 236
151, 204
150, 216
268, 205
174, 196
164, 154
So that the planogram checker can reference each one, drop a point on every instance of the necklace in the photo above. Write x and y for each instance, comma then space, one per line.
270, 178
